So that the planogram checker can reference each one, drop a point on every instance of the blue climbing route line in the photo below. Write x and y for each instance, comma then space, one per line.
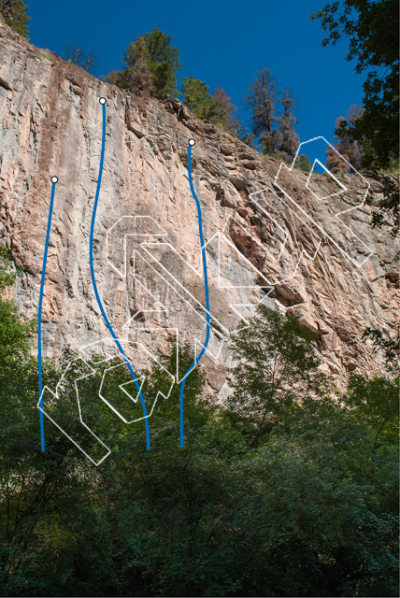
99, 303
46, 248
203, 254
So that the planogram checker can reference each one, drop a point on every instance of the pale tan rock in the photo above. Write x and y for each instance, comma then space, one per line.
51, 120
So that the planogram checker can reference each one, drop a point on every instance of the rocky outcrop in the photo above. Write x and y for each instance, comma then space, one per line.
272, 234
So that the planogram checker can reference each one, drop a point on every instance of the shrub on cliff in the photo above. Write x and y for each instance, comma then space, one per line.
216, 108
304, 163
75, 54
14, 13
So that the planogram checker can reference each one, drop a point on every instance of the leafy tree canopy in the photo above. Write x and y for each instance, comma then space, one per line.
301, 502
372, 29
277, 367
15, 334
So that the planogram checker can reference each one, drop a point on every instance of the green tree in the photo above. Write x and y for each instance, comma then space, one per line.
15, 334
197, 97
275, 132
137, 76
14, 13
303, 163
372, 29
376, 402
309, 510
277, 367
216, 108
162, 59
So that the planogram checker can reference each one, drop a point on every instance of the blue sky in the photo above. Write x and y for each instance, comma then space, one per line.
221, 43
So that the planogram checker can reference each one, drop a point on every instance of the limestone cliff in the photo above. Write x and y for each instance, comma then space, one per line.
296, 244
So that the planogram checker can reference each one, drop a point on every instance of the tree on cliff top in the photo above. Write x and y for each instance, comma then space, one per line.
14, 13
155, 51
260, 98
303, 163
197, 97
225, 111
288, 141
216, 108
137, 76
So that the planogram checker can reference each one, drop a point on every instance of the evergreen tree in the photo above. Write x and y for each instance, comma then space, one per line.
162, 59
14, 13
303, 163
275, 133
288, 141
197, 97
217, 109
260, 98
137, 76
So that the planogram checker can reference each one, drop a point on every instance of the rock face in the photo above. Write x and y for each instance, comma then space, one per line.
297, 243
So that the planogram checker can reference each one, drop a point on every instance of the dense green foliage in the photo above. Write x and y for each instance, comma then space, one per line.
152, 65
197, 97
370, 141
304, 163
276, 369
163, 61
289, 491
372, 29
14, 13
14, 333
217, 109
